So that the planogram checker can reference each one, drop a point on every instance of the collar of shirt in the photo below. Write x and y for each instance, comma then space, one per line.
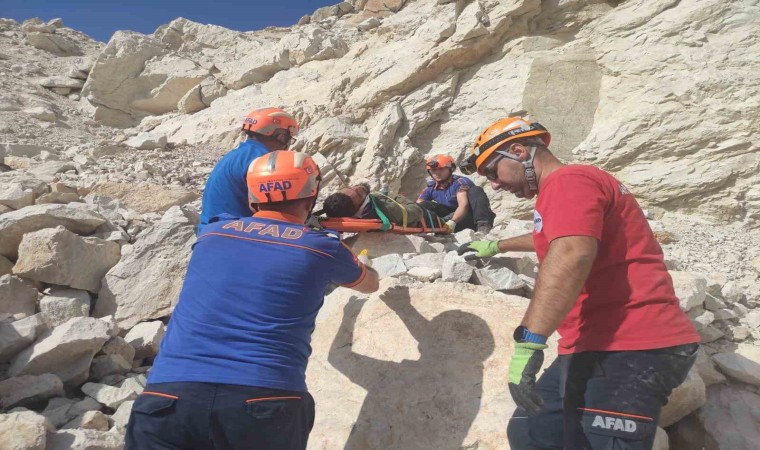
276, 215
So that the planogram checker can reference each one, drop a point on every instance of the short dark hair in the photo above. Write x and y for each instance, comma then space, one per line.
278, 206
339, 205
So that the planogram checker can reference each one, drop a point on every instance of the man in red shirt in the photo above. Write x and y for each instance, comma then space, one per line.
602, 285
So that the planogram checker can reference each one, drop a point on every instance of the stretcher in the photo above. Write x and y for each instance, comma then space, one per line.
430, 223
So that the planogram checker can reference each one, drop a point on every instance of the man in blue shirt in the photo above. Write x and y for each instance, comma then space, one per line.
455, 198
230, 373
267, 130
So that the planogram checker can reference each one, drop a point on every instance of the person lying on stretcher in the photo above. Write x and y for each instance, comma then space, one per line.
357, 201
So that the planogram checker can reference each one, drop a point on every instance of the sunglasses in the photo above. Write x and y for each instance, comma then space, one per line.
490, 170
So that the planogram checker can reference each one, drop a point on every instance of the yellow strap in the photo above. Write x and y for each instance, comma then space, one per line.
403, 210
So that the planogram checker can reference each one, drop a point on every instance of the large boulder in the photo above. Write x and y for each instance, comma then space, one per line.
728, 421
743, 365
6, 266
62, 410
14, 225
691, 289
312, 43
108, 396
59, 304
54, 43
16, 336
15, 196
91, 420
24, 430
131, 72
58, 256
29, 389
685, 399
84, 440
118, 346
409, 362
17, 296
146, 283
145, 197
146, 338
67, 351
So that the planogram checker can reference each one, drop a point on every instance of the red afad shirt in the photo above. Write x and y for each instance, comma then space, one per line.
628, 302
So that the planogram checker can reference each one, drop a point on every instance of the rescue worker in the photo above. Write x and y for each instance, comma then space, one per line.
230, 373
602, 285
266, 130
456, 199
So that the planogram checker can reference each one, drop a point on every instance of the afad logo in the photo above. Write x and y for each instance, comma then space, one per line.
275, 186
538, 222
614, 423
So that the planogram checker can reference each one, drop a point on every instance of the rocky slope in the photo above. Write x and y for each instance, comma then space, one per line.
105, 148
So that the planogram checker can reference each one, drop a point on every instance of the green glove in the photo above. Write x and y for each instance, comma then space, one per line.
525, 364
483, 249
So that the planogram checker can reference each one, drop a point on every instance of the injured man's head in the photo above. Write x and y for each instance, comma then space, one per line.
346, 202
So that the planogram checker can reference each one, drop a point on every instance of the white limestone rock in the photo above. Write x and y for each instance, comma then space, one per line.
685, 399
456, 268
14, 225
691, 289
66, 351
84, 440
118, 346
15, 196
108, 396
425, 274
29, 390
145, 338
6, 266
389, 265
17, 296
426, 260
54, 43
381, 244
500, 279
121, 417
19, 334
90, 420
24, 430
105, 365
146, 141
141, 197
145, 284
744, 365
58, 256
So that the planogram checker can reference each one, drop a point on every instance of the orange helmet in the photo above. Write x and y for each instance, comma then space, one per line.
436, 161
282, 175
268, 120
498, 133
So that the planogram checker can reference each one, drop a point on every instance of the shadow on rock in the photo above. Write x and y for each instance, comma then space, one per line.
422, 404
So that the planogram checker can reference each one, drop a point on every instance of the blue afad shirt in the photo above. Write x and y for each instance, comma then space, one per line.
247, 309
226, 190
446, 195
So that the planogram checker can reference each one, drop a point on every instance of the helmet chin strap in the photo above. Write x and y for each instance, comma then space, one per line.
530, 171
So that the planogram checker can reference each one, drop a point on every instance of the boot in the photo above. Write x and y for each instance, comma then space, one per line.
484, 228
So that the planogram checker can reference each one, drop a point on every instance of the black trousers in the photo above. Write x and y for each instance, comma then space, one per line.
479, 210
206, 416
602, 400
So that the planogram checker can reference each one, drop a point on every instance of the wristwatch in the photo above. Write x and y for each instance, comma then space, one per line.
523, 334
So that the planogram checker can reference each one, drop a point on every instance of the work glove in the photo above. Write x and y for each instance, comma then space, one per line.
525, 364
482, 249
451, 225
363, 257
